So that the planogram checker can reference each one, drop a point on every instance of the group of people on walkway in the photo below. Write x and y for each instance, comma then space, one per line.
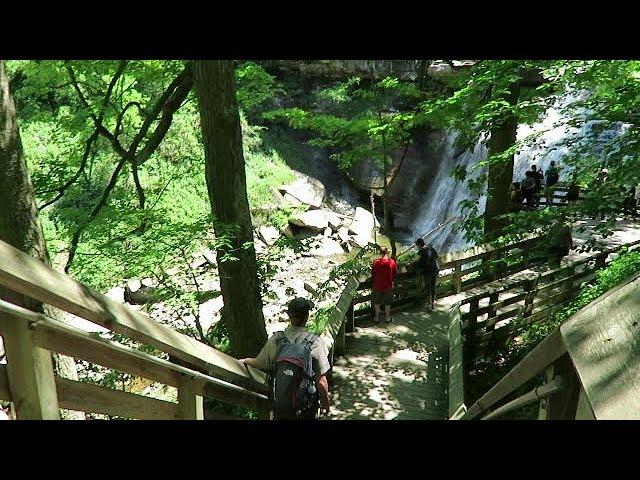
527, 194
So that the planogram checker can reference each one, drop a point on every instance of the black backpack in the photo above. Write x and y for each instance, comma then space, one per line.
293, 383
552, 176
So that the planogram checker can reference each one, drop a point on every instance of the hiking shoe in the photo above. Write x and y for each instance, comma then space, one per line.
390, 320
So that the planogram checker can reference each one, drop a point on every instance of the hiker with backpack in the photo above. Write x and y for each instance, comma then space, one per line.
383, 272
559, 242
528, 188
552, 175
297, 362
427, 268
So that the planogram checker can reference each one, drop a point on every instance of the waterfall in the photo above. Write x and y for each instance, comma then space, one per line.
441, 200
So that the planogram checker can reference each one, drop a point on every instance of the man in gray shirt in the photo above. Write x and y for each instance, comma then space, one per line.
298, 311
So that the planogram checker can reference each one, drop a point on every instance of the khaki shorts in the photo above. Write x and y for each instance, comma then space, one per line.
382, 298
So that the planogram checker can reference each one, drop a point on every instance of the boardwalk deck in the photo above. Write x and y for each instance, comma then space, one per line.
396, 371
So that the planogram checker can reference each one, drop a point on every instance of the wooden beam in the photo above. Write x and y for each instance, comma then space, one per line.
584, 410
24, 274
58, 337
562, 405
539, 358
29, 372
89, 398
190, 403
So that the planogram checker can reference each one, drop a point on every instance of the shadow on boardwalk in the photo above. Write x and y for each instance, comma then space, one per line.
396, 371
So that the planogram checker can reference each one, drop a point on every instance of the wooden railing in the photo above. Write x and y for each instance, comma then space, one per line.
534, 299
28, 379
500, 309
460, 271
584, 365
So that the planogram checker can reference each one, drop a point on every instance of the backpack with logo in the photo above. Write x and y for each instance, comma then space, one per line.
293, 385
428, 259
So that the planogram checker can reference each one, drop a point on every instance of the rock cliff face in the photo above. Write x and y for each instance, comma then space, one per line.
337, 69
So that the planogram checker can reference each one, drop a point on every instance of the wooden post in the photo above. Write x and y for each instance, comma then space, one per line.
470, 334
548, 376
584, 410
457, 277
29, 371
600, 260
531, 287
349, 319
190, 403
493, 298
340, 340
562, 405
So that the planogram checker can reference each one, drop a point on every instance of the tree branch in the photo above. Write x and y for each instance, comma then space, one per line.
94, 213
167, 104
72, 180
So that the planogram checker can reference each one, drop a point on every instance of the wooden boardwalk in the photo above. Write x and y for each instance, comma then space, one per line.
397, 371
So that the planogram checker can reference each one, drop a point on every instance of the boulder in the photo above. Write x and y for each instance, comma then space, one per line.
363, 224
305, 190
326, 247
268, 234
116, 293
209, 311
360, 241
286, 231
347, 246
343, 234
210, 256
334, 221
259, 245
148, 282
134, 285
315, 220
327, 232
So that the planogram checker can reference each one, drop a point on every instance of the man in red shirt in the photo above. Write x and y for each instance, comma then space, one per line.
383, 272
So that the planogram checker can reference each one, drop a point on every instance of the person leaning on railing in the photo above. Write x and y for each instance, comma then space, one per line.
426, 265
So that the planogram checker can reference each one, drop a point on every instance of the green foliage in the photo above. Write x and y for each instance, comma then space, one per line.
489, 373
366, 122
255, 87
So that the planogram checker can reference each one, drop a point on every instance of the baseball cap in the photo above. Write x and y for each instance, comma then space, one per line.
299, 307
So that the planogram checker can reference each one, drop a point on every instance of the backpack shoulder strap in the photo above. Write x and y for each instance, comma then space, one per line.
310, 338
281, 338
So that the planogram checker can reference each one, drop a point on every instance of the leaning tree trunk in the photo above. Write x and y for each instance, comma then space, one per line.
226, 182
19, 220
500, 175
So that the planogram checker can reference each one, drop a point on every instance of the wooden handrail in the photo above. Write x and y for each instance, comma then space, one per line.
456, 365
55, 336
543, 391
550, 349
24, 274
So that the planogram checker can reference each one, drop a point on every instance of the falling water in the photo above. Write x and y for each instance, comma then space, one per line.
441, 201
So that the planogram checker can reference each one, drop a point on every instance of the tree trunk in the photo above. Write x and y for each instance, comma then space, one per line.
226, 182
19, 220
500, 175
